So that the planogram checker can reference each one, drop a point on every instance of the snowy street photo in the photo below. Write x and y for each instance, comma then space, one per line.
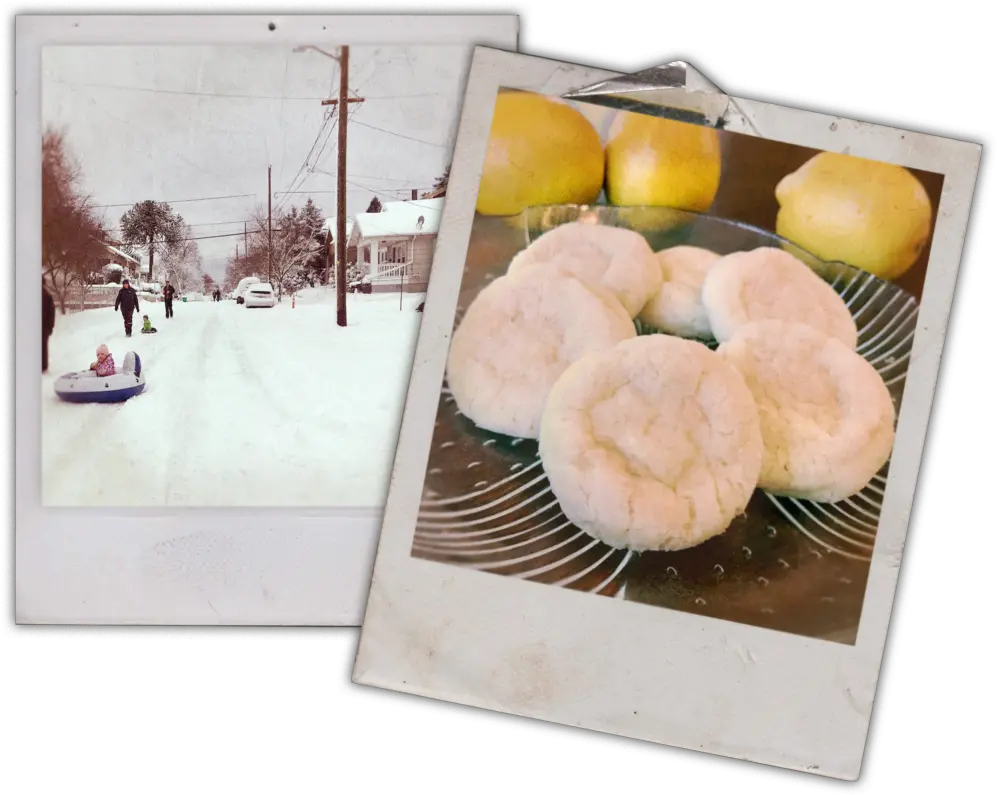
216, 332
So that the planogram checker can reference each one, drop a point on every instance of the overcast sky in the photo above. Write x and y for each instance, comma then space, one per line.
149, 123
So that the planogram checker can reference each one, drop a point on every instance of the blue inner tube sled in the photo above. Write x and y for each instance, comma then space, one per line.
88, 387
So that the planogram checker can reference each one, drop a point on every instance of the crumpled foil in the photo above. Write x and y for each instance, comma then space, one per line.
674, 90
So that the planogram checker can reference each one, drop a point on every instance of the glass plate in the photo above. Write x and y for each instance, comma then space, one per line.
786, 564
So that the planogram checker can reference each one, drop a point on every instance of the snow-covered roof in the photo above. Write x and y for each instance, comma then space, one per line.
402, 218
330, 226
121, 253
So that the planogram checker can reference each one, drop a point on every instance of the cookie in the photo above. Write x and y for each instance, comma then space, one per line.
827, 418
654, 444
772, 284
618, 259
518, 336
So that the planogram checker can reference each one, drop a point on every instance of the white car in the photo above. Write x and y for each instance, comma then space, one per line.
259, 295
242, 286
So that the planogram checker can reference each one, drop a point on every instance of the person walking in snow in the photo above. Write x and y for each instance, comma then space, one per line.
168, 293
127, 302
48, 322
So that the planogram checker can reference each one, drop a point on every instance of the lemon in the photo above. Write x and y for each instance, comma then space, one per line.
871, 215
655, 161
540, 151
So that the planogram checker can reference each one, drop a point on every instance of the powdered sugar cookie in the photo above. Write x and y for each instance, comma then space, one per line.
618, 259
516, 339
772, 284
652, 445
677, 307
827, 417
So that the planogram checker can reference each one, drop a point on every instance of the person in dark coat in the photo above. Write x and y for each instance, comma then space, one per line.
127, 302
168, 293
48, 322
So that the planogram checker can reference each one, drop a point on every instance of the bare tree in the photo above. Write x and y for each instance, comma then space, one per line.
295, 246
72, 232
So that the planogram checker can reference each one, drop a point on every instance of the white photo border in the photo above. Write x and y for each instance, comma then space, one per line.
620, 667
280, 566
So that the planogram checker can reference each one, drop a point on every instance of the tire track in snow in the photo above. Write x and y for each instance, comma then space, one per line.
184, 426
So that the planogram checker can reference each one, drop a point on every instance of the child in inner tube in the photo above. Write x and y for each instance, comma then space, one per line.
104, 366
147, 325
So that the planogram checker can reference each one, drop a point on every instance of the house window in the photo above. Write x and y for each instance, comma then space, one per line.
394, 260
393, 253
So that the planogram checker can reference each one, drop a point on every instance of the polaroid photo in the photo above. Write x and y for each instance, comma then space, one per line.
210, 434
671, 390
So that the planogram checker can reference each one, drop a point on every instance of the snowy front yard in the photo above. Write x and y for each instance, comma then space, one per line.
243, 407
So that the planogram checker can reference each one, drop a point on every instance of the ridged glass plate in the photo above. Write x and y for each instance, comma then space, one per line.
786, 564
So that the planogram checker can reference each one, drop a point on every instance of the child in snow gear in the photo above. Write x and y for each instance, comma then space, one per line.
147, 325
168, 293
127, 301
48, 323
104, 366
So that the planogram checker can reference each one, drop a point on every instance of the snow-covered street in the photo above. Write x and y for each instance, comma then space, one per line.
243, 407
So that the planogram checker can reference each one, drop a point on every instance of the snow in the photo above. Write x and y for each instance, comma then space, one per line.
243, 407
113, 267
121, 254
402, 218
330, 226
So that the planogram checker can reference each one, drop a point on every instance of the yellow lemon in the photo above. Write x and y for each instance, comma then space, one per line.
654, 161
540, 151
874, 216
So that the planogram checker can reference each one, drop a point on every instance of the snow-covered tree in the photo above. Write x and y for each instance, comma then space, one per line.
113, 273
182, 263
295, 246
314, 220
154, 226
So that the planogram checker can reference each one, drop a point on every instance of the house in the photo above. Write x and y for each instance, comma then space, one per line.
329, 228
395, 246
130, 266
436, 193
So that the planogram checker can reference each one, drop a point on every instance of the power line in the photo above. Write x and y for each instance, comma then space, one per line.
213, 95
213, 237
295, 183
409, 183
399, 135
207, 223
181, 201
413, 202
318, 157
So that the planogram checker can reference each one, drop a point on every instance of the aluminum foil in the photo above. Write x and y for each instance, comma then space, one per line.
674, 90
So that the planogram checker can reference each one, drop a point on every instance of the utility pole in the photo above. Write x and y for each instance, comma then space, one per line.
342, 102
269, 228
245, 236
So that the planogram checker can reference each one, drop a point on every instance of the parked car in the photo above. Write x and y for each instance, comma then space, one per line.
260, 295
244, 284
